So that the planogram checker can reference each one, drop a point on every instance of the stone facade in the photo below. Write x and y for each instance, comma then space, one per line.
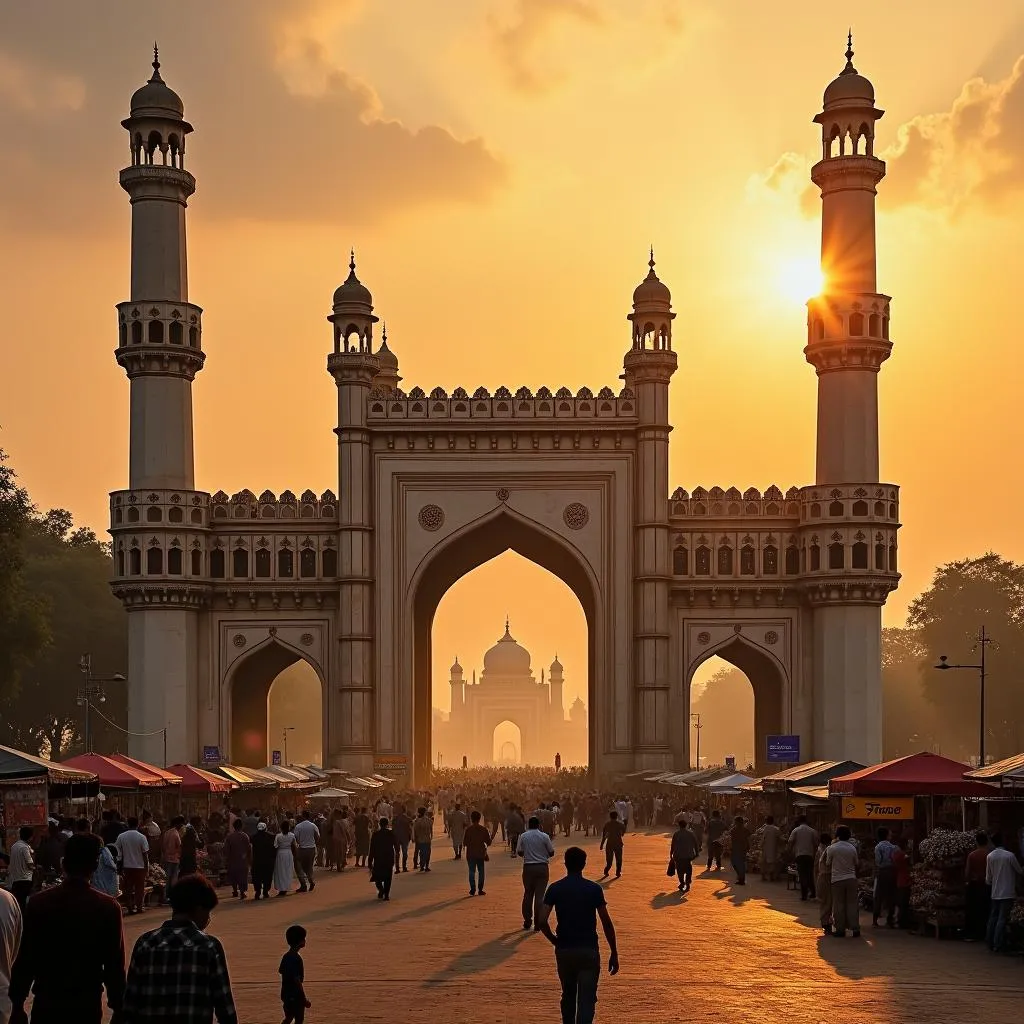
223, 592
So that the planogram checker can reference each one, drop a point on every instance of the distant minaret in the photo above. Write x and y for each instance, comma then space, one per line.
555, 678
458, 685
160, 349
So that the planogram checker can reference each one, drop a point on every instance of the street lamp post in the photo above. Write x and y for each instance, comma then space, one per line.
92, 687
287, 729
697, 726
982, 641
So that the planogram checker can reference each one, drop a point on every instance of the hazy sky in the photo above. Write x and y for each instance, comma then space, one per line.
501, 167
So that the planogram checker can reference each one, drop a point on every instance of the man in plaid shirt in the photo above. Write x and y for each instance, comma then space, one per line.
179, 973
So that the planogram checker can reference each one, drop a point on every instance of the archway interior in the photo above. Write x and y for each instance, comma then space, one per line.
503, 567
738, 693
508, 744
273, 689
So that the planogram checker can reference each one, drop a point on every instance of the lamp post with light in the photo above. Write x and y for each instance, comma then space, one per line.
695, 717
90, 688
284, 734
983, 640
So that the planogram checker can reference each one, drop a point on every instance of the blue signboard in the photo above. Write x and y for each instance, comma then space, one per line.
784, 749
275, 757
211, 755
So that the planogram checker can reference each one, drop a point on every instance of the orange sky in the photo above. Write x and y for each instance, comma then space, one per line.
501, 167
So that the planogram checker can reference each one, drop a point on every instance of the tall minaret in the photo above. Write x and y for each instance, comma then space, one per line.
556, 683
458, 684
353, 365
160, 348
848, 340
648, 366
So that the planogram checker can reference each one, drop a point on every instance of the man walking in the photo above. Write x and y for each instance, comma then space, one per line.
477, 840
611, 842
170, 851
1001, 872
771, 838
382, 857
21, 868
403, 837
716, 829
422, 834
72, 947
739, 836
515, 827
682, 852
238, 854
306, 836
263, 856
457, 829
536, 849
577, 903
178, 972
803, 841
885, 880
841, 861
133, 853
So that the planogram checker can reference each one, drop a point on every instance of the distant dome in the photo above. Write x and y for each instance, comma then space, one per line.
155, 99
388, 361
507, 658
456, 669
352, 289
556, 666
651, 288
849, 87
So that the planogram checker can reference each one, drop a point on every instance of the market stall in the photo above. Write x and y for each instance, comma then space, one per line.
126, 787
29, 783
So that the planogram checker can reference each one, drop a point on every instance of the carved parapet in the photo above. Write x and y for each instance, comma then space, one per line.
130, 510
394, 404
160, 338
731, 503
157, 181
848, 331
245, 505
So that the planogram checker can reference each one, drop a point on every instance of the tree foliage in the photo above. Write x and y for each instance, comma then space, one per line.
58, 607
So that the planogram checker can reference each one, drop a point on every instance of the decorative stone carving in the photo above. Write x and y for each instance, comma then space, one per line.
238, 640
576, 515
704, 638
502, 494
771, 637
431, 517
307, 639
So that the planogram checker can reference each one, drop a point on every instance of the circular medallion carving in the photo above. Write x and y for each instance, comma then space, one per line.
238, 640
501, 494
576, 515
737, 629
704, 638
431, 517
771, 637
307, 639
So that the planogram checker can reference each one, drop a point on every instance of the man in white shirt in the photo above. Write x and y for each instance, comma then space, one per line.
841, 861
623, 808
10, 940
22, 866
1001, 873
536, 849
133, 853
306, 835
803, 841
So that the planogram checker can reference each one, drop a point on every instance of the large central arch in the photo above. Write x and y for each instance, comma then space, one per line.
470, 547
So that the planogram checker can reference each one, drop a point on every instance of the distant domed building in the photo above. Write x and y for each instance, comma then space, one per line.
508, 691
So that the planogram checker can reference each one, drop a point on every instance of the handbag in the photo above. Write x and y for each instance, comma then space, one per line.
671, 867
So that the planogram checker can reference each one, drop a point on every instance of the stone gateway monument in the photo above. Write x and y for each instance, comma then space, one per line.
224, 591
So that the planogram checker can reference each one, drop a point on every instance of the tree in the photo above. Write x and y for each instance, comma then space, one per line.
963, 596
910, 721
726, 709
23, 614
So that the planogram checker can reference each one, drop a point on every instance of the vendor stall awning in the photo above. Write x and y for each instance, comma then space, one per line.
1010, 770
921, 774
807, 796
113, 774
812, 773
169, 777
291, 777
730, 783
195, 780
245, 778
331, 793
16, 764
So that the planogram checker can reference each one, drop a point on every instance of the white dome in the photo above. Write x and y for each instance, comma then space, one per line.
507, 658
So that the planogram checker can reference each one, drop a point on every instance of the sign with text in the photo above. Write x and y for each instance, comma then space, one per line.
391, 763
878, 808
784, 749
211, 755
275, 757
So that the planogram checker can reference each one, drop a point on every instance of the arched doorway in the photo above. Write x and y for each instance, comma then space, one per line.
721, 715
278, 666
546, 695
464, 552
768, 683
507, 744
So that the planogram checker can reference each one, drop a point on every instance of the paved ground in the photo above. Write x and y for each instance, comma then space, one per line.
719, 954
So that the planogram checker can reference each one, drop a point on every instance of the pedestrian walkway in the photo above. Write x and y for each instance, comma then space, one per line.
716, 954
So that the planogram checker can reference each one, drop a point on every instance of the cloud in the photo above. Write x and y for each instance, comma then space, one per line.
970, 155
538, 41
281, 133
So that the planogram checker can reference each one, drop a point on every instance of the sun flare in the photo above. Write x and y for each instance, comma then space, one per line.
798, 279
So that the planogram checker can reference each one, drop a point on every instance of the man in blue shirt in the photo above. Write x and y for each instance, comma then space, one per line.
577, 903
885, 880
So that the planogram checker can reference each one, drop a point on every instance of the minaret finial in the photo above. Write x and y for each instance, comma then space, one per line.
352, 260
849, 69
156, 63
650, 262
384, 342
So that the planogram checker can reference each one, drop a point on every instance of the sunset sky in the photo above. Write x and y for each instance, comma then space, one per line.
501, 167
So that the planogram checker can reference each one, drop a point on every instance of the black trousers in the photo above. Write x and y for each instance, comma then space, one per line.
261, 879
684, 870
578, 971
805, 872
384, 884
535, 884
613, 853
885, 894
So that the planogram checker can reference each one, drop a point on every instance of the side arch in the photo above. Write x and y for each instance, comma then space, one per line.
769, 680
245, 693
478, 542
